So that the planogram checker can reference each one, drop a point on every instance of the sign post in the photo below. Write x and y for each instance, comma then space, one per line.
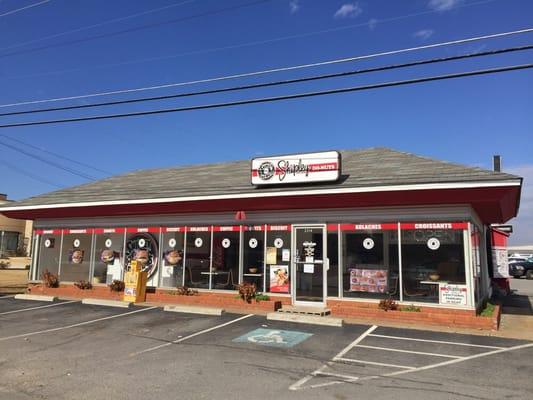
135, 283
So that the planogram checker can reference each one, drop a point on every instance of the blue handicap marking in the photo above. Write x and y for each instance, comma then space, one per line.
273, 337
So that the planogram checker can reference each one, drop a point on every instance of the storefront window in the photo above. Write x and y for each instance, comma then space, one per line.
333, 255
433, 262
254, 255
278, 258
108, 255
226, 248
142, 245
370, 260
172, 246
76, 255
198, 257
49, 252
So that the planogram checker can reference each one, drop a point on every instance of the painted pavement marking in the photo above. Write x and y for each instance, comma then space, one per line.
436, 341
406, 351
352, 360
191, 335
75, 325
405, 369
38, 307
273, 337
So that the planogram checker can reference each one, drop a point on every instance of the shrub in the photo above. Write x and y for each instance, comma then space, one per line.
411, 308
247, 291
388, 305
488, 310
50, 280
83, 285
261, 297
117, 286
185, 291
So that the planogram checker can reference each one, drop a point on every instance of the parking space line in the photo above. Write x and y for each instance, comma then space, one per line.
7, 297
297, 385
191, 335
76, 325
345, 377
38, 307
436, 341
407, 351
352, 360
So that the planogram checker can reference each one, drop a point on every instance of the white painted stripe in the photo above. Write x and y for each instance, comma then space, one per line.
37, 308
393, 188
75, 325
192, 335
305, 379
352, 360
345, 377
407, 351
437, 341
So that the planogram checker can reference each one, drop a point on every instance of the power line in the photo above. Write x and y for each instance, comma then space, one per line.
274, 70
246, 44
276, 98
138, 28
84, 28
55, 154
29, 174
276, 83
44, 160
24, 8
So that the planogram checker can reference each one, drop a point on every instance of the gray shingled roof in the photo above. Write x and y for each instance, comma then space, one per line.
360, 168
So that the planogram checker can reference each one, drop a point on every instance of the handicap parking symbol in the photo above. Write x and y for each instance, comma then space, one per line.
273, 337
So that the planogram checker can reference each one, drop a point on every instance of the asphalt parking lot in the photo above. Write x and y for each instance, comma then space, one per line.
67, 350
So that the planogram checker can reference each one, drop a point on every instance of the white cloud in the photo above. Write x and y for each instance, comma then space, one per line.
523, 224
294, 6
443, 5
424, 34
348, 10
372, 22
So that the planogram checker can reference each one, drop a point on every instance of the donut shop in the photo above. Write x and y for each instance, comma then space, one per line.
323, 229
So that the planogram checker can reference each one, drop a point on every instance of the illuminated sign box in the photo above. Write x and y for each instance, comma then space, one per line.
296, 168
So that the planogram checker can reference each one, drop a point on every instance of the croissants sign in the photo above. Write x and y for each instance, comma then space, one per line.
296, 168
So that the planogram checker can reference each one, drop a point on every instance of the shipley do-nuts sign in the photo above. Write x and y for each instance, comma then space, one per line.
296, 168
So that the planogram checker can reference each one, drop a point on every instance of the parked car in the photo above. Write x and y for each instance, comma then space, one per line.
518, 269
514, 259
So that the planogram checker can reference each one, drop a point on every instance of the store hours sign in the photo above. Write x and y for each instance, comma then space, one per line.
296, 168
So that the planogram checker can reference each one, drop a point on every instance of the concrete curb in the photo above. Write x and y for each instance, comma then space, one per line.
194, 309
107, 303
305, 319
35, 297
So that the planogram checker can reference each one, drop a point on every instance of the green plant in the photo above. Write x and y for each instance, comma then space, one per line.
117, 286
83, 285
488, 310
185, 291
247, 291
411, 308
388, 305
261, 297
50, 280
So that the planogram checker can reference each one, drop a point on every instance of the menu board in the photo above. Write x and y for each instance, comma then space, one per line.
368, 280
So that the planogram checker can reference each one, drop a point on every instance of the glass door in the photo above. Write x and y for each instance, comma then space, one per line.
309, 264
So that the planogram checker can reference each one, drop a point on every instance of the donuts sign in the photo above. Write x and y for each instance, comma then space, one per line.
296, 168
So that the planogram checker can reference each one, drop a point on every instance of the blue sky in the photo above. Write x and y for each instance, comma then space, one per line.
465, 120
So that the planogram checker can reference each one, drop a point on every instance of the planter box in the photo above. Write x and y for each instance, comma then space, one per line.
69, 290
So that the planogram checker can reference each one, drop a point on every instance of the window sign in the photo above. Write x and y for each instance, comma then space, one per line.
453, 294
296, 168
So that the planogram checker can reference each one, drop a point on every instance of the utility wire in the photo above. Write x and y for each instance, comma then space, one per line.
274, 70
29, 174
276, 98
26, 144
275, 83
277, 39
138, 28
24, 8
44, 160
107, 22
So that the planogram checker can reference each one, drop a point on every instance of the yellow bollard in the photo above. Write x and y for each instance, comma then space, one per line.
135, 283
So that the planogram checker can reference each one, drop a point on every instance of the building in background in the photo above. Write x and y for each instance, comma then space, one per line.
15, 234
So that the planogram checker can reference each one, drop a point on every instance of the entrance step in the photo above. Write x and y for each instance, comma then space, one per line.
305, 310
305, 319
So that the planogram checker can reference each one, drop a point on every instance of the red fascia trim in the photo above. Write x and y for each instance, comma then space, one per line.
151, 229
170, 229
278, 228
100, 231
77, 231
198, 229
232, 228
253, 228
434, 225
369, 227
